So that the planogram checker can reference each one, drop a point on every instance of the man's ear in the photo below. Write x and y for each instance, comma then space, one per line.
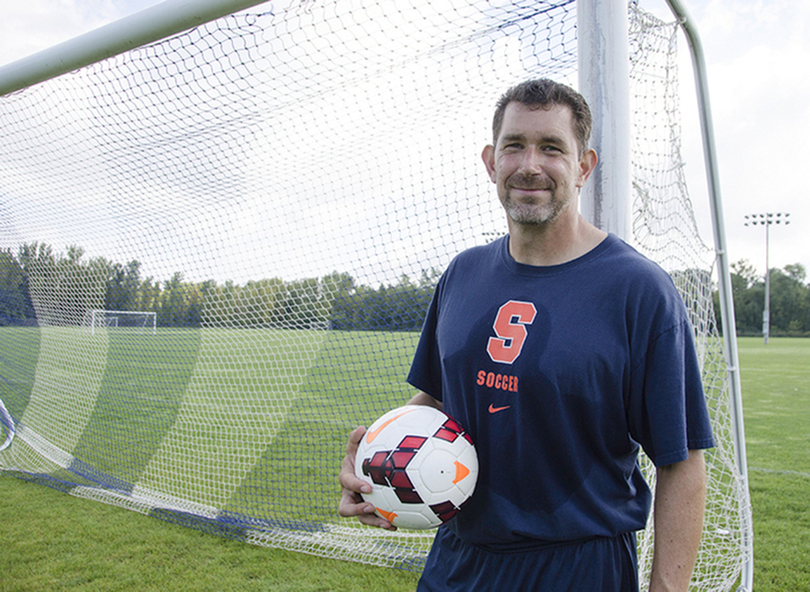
488, 156
586, 165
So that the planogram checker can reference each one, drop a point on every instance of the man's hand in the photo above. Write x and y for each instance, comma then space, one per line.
351, 504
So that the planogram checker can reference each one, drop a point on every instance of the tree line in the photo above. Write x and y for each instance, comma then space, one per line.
789, 300
39, 286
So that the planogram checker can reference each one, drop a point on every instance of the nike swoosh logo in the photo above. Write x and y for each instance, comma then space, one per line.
493, 409
371, 436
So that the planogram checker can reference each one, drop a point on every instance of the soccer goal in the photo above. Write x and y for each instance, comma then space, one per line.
121, 319
280, 188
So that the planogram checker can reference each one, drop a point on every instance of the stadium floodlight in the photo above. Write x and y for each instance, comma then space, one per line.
767, 220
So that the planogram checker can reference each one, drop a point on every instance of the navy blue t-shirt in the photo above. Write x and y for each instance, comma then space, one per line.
560, 374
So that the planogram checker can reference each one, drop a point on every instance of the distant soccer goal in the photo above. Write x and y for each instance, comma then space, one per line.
121, 319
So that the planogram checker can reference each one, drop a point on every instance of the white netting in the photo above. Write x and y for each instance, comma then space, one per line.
281, 189
664, 228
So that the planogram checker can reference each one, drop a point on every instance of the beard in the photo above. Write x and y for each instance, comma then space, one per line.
534, 212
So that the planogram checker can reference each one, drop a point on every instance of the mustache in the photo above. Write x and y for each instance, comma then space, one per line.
530, 182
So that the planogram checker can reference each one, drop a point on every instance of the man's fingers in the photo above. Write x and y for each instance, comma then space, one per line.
352, 505
347, 478
349, 482
354, 440
351, 502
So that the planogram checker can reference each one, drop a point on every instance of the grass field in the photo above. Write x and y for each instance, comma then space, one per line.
228, 393
53, 541
776, 401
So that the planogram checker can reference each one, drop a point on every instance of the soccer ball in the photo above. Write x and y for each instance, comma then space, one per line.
421, 465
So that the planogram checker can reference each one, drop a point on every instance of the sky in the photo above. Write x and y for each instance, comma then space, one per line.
756, 52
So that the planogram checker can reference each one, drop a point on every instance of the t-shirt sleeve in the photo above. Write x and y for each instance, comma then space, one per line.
426, 373
667, 411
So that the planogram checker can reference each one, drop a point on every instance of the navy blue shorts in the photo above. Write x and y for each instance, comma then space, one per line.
594, 565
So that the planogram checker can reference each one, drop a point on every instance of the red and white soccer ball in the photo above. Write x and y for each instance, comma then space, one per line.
421, 464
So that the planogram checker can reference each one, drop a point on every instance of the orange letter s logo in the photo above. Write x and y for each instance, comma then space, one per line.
510, 328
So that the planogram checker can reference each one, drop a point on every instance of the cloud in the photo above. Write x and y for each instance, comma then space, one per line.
31, 26
758, 52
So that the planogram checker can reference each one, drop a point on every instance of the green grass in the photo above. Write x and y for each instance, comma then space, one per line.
776, 403
282, 386
53, 541
127, 390
56, 542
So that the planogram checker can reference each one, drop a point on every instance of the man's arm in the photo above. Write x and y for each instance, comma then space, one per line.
680, 500
421, 398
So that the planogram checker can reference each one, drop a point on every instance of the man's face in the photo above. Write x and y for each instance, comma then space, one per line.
536, 164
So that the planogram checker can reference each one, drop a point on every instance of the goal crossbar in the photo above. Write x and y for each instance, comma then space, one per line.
146, 26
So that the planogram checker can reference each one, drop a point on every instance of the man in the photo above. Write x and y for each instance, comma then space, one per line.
562, 351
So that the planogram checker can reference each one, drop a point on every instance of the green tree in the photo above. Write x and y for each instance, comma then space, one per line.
749, 297
147, 296
80, 286
173, 302
743, 276
341, 292
123, 284
221, 309
789, 300
302, 305
62, 287
15, 301
38, 264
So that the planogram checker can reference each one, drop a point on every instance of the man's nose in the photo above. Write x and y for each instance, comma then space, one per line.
532, 161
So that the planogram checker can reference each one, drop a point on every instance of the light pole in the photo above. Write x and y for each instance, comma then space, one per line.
766, 220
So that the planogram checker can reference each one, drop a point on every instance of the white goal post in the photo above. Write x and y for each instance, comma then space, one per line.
724, 284
290, 295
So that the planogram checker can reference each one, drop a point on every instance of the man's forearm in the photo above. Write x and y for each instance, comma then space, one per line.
680, 500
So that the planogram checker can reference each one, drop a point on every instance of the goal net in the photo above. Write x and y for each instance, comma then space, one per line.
280, 190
